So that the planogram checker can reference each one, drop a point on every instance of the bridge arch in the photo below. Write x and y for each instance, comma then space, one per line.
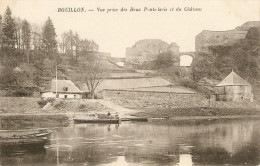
186, 58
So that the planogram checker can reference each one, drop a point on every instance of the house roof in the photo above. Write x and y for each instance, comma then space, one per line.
131, 83
233, 80
61, 84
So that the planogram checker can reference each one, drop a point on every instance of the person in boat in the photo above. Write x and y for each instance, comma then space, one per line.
108, 114
116, 116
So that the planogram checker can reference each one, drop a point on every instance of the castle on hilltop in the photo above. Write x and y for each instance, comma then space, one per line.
213, 38
148, 49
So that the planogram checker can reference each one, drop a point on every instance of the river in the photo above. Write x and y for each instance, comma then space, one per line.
232, 143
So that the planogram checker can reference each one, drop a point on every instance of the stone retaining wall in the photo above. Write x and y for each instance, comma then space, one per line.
138, 99
154, 99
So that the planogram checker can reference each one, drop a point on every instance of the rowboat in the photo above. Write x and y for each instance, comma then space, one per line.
40, 134
29, 133
23, 141
135, 119
110, 121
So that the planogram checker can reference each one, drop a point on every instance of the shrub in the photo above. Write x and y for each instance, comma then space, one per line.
22, 92
189, 84
43, 102
82, 106
59, 105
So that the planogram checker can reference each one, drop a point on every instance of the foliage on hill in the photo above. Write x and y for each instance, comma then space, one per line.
243, 57
29, 53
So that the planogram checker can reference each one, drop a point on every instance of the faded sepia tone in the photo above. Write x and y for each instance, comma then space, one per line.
147, 82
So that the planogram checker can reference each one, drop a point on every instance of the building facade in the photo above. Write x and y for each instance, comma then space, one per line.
65, 89
234, 88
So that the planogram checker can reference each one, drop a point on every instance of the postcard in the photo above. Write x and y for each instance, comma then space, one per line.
129, 82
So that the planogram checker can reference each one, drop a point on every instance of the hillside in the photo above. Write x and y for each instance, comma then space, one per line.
243, 57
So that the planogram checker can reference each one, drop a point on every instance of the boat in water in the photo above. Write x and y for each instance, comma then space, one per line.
41, 133
25, 140
28, 133
135, 119
109, 121
22, 141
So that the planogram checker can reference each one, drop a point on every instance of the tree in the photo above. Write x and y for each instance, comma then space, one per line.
18, 32
49, 38
77, 43
8, 30
93, 46
26, 38
93, 74
37, 40
63, 43
253, 35
88, 46
164, 60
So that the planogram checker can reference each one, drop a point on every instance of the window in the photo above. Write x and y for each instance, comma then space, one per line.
65, 96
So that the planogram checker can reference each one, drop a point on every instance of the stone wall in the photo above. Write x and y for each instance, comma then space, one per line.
235, 93
212, 38
139, 100
153, 99
148, 49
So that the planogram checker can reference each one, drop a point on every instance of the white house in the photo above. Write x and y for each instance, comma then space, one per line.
64, 88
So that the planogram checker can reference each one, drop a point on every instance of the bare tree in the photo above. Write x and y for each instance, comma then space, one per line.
93, 74
26, 38
36, 38
18, 33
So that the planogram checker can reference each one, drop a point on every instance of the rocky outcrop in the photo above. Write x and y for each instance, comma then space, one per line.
213, 38
148, 49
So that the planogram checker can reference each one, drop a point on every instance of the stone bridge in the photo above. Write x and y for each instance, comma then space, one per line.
192, 54
185, 58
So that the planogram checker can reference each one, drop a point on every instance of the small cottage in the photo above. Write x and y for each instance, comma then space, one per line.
63, 88
234, 88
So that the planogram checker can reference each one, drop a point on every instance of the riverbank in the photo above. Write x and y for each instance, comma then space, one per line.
204, 120
197, 115
195, 111
22, 111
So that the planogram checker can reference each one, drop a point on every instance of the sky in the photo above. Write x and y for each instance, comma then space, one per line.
114, 31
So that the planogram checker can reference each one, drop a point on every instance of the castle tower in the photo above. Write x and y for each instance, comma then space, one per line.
174, 50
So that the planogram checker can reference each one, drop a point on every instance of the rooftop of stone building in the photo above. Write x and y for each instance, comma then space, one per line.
233, 79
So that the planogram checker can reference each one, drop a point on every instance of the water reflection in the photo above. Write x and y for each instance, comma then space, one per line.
233, 143
21, 156
185, 160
